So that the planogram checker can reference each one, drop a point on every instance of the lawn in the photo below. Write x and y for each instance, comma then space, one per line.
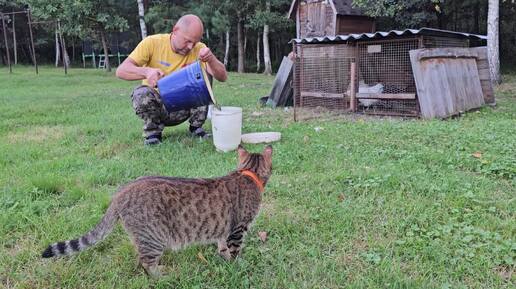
354, 202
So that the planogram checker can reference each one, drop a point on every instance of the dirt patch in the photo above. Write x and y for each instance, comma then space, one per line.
108, 151
267, 209
38, 134
321, 113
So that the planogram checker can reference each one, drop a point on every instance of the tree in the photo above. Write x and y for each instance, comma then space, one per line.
221, 25
240, 42
403, 14
265, 17
230, 14
85, 18
266, 50
493, 48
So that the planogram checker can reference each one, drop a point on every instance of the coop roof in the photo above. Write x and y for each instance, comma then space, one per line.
389, 34
342, 7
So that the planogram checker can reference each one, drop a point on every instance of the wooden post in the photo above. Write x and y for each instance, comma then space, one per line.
63, 47
32, 41
6, 44
14, 41
353, 101
295, 90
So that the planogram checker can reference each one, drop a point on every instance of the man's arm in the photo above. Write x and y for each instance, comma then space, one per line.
129, 70
214, 66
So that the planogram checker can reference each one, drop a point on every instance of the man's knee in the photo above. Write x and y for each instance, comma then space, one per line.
146, 101
198, 116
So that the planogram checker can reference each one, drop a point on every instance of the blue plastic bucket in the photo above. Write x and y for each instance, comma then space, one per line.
186, 88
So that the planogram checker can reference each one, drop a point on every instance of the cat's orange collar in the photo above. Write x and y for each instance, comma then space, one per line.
254, 177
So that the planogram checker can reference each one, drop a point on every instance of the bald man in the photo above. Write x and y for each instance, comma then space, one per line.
159, 55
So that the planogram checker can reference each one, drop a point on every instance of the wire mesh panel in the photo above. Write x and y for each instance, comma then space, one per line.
386, 85
437, 42
384, 80
322, 75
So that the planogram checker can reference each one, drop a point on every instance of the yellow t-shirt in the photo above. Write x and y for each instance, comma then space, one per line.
155, 51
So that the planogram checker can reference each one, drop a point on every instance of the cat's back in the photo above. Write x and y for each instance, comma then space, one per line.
161, 189
162, 184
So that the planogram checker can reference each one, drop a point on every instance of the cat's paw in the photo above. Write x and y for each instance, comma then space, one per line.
224, 253
155, 272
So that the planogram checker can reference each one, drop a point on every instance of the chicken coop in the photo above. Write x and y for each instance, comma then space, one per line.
328, 17
369, 73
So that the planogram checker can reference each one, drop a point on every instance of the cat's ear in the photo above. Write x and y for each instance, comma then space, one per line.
267, 151
242, 153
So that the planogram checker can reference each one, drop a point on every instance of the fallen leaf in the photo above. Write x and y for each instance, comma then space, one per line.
477, 155
263, 236
306, 138
256, 113
201, 257
341, 197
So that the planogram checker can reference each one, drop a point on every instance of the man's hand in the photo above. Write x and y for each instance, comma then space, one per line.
206, 55
153, 75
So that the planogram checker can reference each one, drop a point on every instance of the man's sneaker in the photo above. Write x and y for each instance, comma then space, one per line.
152, 140
199, 132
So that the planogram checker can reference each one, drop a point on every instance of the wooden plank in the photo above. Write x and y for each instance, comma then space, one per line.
482, 64
481, 52
387, 95
484, 75
322, 94
446, 85
448, 53
287, 93
281, 82
353, 94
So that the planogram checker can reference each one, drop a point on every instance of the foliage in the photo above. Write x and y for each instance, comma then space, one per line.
83, 17
275, 18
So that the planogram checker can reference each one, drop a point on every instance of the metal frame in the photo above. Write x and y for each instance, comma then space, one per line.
29, 22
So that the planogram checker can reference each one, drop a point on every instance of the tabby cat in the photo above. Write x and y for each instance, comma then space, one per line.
169, 213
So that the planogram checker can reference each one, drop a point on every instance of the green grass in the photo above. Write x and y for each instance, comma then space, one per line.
352, 203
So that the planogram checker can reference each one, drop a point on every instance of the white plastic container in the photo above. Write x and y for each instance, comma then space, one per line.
226, 126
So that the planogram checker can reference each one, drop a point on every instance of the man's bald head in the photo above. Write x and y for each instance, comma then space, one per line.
191, 24
186, 33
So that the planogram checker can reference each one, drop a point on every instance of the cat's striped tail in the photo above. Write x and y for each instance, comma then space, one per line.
103, 228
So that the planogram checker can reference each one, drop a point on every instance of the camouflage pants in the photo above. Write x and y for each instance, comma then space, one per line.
148, 106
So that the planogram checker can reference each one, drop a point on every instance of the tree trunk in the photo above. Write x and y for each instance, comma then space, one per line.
240, 40
493, 48
258, 62
106, 50
65, 53
245, 41
66, 59
266, 49
73, 50
141, 14
58, 53
31, 55
226, 52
